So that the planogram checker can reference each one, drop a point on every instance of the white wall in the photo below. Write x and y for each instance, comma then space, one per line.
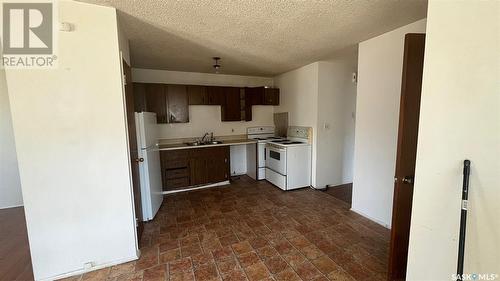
299, 97
317, 94
336, 105
459, 119
207, 118
380, 64
10, 184
70, 134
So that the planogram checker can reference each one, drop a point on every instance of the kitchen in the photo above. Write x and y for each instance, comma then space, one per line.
184, 164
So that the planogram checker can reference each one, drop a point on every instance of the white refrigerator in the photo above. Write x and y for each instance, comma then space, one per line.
149, 168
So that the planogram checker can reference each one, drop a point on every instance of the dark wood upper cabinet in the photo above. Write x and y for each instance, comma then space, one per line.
156, 101
216, 95
139, 97
231, 109
177, 103
171, 102
271, 96
255, 96
197, 95
264, 96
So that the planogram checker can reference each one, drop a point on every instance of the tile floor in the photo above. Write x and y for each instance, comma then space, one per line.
254, 231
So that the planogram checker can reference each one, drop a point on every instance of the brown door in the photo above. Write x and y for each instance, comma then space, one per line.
134, 157
411, 87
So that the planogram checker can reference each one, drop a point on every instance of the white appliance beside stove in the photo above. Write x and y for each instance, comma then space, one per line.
288, 161
256, 154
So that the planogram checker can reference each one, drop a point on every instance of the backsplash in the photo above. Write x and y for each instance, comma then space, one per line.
205, 119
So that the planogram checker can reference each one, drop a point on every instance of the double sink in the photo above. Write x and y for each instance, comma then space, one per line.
198, 143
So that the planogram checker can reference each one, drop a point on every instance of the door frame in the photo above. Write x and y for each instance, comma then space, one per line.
409, 111
132, 201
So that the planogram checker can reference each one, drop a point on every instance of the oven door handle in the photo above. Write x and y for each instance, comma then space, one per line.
271, 148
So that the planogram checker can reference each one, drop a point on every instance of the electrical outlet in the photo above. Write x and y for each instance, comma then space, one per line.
88, 265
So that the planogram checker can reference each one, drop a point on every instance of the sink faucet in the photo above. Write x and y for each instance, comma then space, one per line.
203, 138
212, 136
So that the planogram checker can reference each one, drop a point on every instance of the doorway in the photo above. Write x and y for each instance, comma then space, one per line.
411, 87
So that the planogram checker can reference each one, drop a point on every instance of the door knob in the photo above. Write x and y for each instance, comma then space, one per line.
139, 160
408, 180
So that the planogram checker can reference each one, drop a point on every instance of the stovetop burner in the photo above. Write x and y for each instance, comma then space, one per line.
280, 141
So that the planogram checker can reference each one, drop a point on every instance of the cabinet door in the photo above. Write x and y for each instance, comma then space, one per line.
255, 96
178, 111
215, 95
219, 161
156, 101
139, 97
231, 109
247, 107
198, 166
197, 95
271, 96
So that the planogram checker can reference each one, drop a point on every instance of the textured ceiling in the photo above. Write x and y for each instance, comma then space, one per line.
253, 37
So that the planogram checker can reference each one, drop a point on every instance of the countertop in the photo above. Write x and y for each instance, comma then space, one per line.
175, 146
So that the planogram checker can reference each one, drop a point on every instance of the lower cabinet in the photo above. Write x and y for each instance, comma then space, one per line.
194, 166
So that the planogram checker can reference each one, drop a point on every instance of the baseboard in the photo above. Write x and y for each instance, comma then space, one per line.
337, 185
196, 187
82, 271
371, 218
13, 206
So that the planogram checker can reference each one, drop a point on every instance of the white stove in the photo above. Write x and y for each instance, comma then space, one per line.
288, 161
257, 154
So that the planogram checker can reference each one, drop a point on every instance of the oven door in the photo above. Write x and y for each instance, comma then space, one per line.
276, 159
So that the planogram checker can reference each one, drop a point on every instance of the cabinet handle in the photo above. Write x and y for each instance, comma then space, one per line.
225, 160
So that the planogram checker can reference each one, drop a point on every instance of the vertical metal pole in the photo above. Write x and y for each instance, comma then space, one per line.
463, 219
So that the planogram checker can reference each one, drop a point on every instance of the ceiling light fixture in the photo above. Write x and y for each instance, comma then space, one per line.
216, 64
